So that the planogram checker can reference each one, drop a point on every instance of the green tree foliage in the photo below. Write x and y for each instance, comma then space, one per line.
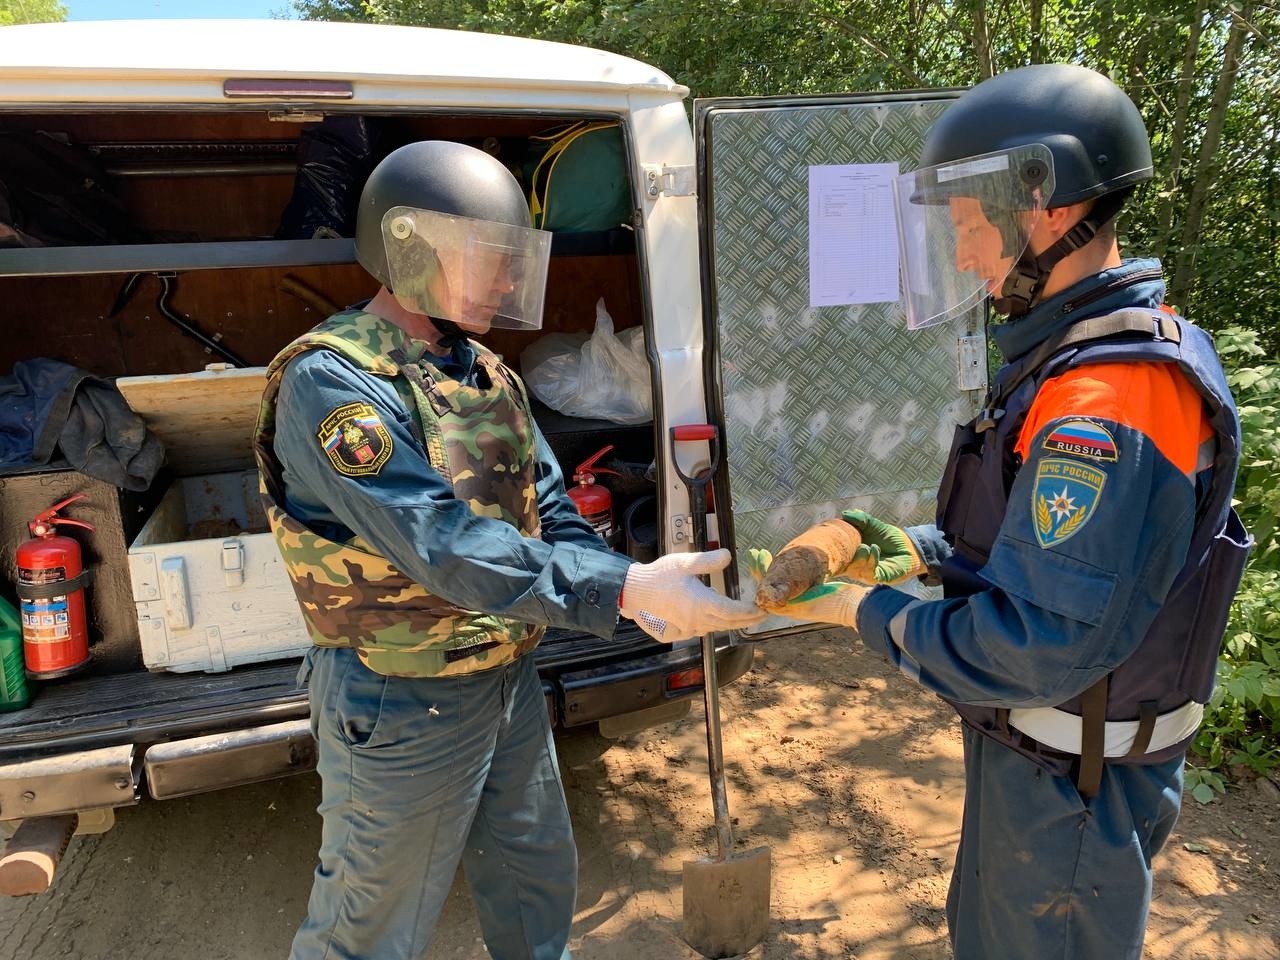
1202, 71
1244, 716
1205, 75
31, 11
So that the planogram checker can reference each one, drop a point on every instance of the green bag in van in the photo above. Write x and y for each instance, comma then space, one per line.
579, 183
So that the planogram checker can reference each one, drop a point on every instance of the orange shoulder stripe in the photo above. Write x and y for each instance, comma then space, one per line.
1155, 399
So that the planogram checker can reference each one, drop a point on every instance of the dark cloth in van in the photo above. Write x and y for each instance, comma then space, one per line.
47, 405
335, 157
54, 193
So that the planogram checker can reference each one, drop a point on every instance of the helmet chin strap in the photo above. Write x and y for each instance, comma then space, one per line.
450, 333
1022, 287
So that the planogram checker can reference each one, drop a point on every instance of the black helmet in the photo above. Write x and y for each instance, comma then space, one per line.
1094, 132
1095, 138
437, 175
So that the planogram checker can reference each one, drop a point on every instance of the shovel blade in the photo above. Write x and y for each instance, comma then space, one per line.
726, 903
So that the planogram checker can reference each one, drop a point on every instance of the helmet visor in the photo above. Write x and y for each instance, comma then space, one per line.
963, 225
476, 273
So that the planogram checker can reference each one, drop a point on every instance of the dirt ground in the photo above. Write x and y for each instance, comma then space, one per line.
845, 769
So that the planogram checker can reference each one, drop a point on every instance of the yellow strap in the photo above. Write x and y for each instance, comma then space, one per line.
537, 204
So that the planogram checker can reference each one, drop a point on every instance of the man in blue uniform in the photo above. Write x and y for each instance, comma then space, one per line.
1085, 539
424, 525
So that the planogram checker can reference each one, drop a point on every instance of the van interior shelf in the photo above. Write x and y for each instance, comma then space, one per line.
155, 257
234, 254
553, 422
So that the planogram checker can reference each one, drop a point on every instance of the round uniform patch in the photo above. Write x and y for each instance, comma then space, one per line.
355, 440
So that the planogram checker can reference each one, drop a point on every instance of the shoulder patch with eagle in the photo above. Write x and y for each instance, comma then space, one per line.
355, 440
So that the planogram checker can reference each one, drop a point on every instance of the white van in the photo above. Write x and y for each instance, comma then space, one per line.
758, 259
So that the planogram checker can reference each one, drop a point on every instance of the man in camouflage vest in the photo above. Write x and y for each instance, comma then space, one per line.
424, 525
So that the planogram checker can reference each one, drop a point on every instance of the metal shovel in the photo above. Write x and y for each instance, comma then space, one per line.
726, 897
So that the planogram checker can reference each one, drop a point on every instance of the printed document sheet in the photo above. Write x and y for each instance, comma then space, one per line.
853, 245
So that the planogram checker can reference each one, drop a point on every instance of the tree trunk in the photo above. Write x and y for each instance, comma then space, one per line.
1207, 158
1273, 155
982, 41
1037, 31
1178, 133
912, 38
1105, 33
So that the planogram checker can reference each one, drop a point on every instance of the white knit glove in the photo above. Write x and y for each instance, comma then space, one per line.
670, 603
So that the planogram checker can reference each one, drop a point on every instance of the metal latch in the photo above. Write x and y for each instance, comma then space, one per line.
667, 180
971, 360
682, 524
295, 116
177, 600
233, 562
684, 528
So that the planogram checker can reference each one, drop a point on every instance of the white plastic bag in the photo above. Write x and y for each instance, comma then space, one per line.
604, 376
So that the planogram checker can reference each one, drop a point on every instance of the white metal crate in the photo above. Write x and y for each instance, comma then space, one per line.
210, 588
209, 584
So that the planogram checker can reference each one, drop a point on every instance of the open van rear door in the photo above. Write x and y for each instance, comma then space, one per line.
828, 401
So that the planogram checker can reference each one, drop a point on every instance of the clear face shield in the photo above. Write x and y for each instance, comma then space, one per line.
962, 226
475, 273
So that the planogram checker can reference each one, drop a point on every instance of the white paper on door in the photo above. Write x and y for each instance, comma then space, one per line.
853, 245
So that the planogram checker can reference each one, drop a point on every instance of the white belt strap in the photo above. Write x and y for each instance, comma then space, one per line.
1062, 731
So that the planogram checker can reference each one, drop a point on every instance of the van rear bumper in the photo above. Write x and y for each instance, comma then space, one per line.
199, 765
607, 691
70, 782
232, 759
121, 775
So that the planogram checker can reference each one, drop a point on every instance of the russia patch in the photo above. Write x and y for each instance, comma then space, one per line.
355, 440
1083, 438
1064, 498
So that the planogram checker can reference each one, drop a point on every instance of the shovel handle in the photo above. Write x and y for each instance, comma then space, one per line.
693, 431
715, 750
697, 487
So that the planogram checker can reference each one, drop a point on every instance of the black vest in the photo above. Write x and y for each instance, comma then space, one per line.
1177, 658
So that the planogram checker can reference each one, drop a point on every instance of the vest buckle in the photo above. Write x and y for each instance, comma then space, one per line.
987, 419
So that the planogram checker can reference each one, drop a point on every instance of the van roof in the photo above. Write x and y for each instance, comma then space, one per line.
206, 49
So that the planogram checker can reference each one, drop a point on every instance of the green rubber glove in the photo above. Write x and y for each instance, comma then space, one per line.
887, 554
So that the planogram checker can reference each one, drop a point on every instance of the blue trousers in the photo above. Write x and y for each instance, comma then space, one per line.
1042, 874
417, 775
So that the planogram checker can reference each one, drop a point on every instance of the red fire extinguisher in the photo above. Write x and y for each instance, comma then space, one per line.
51, 582
593, 500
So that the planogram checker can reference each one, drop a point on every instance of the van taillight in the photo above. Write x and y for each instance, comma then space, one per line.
683, 679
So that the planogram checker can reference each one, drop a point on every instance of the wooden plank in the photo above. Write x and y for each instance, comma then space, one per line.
33, 853
205, 420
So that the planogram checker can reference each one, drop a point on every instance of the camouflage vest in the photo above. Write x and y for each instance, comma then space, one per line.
480, 439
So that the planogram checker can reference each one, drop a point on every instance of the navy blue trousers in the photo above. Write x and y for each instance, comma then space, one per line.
417, 775
1042, 874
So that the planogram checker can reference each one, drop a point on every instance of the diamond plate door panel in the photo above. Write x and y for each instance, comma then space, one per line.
824, 408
